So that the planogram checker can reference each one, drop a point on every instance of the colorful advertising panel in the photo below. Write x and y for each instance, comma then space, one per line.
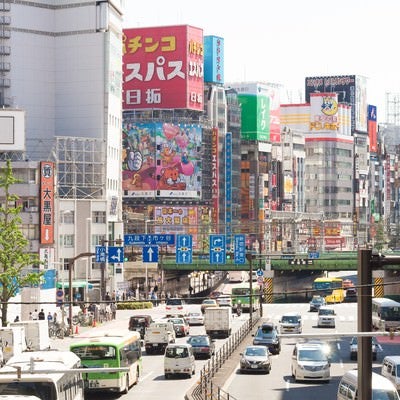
163, 68
351, 89
214, 59
255, 117
372, 130
215, 177
228, 189
161, 160
272, 91
324, 112
46, 202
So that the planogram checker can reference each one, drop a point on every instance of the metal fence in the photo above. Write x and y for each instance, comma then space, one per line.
206, 389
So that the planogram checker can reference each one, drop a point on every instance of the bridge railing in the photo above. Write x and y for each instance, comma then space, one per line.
206, 389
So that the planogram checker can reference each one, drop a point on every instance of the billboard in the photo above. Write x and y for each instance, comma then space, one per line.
324, 112
161, 160
12, 128
163, 68
214, 59
351, 89
46, 202
215, 177
272, 92
372, 129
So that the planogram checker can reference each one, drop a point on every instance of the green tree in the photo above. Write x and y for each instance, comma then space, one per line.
380, 238
14, 256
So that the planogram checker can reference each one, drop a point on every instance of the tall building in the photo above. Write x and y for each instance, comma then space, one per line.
63, 67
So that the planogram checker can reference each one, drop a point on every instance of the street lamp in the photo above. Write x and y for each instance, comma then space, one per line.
71, 300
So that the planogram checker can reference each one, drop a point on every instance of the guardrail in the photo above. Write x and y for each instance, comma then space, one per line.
206, 389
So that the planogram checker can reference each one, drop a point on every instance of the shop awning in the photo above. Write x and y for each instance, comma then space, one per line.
75, 284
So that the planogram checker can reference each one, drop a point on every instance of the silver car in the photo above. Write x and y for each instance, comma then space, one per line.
255, 359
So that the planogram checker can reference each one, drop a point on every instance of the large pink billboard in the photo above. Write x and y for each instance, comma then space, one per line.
163, 68
161, 160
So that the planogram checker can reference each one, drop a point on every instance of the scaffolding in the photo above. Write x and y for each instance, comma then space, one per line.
81, 167
393, 108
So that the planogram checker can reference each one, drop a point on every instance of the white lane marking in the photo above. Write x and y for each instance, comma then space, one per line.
230, 379
144, 377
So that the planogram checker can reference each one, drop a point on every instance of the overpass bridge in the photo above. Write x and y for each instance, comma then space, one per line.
332, 261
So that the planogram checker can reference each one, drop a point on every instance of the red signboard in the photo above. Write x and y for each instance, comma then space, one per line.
163, 68
46, 202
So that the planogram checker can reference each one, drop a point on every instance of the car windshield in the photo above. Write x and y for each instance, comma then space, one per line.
290, 320
201, 340
317, 300
326, 311
209, 302
256, 351
311, 355
177, 321
176, 352
267, 331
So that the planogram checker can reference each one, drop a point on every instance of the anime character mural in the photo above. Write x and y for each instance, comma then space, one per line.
178, 160
139, 164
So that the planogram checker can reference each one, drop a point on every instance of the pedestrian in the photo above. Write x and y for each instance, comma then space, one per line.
16, 319
190, 290
55, 317
35, 315
41, 315
49, 318
113, 311
108, 297
30, 316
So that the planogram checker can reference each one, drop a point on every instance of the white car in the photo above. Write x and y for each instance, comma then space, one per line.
195, 318
326, 317
224, 300
310, 362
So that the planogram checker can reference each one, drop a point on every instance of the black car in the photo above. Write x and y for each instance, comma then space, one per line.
316, 303
139, 323
203, 346
267, 335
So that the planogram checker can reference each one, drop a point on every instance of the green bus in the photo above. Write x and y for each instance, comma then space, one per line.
111, 350
241, 295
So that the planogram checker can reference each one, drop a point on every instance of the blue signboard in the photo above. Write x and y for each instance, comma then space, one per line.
313, 255
150, 254
240, 249
184, 249
228, 189
145, 239
115, 254
217, 249
101, 254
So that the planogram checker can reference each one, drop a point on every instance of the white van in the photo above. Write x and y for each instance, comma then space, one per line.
382, 388
179, 359
290, 323
391, 369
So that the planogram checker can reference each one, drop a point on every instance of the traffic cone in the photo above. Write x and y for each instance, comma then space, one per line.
76, 330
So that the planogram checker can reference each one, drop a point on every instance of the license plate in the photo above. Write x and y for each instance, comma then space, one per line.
154, 345
254, 366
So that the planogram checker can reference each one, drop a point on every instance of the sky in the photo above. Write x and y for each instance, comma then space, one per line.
284, 41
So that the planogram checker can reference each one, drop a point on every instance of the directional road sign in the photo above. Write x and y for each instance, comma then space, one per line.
145, 239
101, 254
313, 255
260, 272
240, 249
217, 249
150, 254
184, 249
115, 254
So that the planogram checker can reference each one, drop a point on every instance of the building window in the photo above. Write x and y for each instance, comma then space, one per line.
67, 217
99, 217
98, 240
68, 240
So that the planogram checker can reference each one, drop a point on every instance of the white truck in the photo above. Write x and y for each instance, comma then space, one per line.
12, 341
36, 333
158, 335
218, 321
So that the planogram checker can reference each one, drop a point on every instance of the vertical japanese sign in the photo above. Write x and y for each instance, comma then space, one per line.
214, 178
228, 189
163, 68
46, 202
214, 59
372, 130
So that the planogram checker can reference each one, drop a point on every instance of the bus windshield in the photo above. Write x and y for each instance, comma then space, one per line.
390, 313
94, 352
42, 390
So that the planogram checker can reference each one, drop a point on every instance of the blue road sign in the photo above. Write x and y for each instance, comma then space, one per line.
145, 239
115, 254
217, 249
240, 249
101, 254
184, 250
150, 254
260, 272
313, 255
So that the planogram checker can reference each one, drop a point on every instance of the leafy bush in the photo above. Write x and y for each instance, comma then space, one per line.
134, 305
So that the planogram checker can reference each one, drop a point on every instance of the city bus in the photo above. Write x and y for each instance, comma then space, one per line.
330, 288
44, 375
385, 314
241, 294
110, 350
